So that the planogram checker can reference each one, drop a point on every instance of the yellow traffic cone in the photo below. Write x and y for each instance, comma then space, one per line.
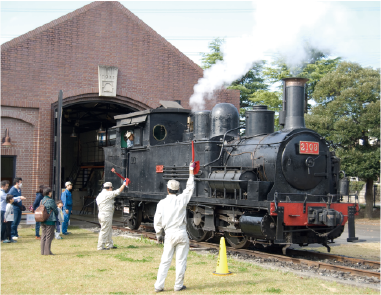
222, 263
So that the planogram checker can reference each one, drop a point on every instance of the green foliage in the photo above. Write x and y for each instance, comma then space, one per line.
314, 70
209, 59
248, 84
347, 111
356, 186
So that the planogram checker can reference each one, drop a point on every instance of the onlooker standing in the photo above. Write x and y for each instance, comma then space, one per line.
36, 203
48, 225
3, 196
8, 219
59, 220
16, 192
67, 206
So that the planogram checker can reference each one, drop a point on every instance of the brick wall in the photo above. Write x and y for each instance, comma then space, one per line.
23, 123
65, 54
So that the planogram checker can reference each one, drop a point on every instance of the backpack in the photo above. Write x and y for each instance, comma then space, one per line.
41, 214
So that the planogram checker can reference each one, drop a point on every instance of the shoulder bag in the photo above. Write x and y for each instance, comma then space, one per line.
41, 214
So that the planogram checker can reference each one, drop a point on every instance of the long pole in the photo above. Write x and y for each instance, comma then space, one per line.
58, 147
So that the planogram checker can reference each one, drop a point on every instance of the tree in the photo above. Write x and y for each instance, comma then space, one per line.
250, 82
348, 114
209, 59
314, 69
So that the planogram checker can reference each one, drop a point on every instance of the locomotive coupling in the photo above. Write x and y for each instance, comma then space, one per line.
321, 215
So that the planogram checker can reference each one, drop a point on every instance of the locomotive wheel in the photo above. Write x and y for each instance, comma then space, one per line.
238, 241
196, 232
134, 221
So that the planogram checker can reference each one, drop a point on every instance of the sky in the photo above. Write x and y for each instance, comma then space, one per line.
191, 25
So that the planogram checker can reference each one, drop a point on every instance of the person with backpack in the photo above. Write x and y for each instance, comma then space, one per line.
49, 225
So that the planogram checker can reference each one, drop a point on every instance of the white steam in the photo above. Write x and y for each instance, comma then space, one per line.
282, 27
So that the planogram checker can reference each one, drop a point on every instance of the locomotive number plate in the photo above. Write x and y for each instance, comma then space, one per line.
309, 147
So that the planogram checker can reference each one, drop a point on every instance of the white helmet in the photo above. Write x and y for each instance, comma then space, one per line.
173, 185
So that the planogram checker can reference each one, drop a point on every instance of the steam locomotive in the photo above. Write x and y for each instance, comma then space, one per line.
264, 188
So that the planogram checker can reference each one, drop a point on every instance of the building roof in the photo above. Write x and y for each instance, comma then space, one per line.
14, 42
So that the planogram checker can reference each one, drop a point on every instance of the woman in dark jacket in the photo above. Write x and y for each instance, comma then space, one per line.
36, 203
48, 226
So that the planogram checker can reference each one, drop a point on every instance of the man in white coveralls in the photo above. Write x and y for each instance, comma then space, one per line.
170, 217
105, 202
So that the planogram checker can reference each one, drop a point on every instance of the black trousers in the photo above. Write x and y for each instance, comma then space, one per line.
7, 235
3, 226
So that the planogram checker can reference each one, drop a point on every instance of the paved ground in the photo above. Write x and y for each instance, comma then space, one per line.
368, 232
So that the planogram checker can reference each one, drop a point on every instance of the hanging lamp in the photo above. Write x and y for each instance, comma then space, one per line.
73, 133
6, 139
101, 130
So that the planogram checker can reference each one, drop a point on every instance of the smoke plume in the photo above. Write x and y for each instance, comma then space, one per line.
283, 28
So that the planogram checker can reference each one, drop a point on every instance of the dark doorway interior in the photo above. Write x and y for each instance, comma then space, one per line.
86, 129
8, 168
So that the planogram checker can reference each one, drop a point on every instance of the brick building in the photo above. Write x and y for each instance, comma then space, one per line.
65, 55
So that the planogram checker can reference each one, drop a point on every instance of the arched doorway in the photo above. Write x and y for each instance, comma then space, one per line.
86, 127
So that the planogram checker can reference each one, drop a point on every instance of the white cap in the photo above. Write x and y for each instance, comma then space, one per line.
173, 185
107, 184
128, 134
68, 183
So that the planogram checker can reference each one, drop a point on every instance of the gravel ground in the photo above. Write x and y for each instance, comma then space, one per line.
299, 269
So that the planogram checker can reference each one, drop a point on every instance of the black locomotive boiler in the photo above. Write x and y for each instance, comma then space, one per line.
263, 188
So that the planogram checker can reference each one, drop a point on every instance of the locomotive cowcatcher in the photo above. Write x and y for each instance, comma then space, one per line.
263, 188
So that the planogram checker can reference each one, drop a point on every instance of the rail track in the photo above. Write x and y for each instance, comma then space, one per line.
310, 259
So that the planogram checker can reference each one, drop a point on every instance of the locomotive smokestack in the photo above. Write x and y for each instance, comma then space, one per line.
292, 116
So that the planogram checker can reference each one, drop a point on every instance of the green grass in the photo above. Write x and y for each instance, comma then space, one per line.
78, 268
273, 290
